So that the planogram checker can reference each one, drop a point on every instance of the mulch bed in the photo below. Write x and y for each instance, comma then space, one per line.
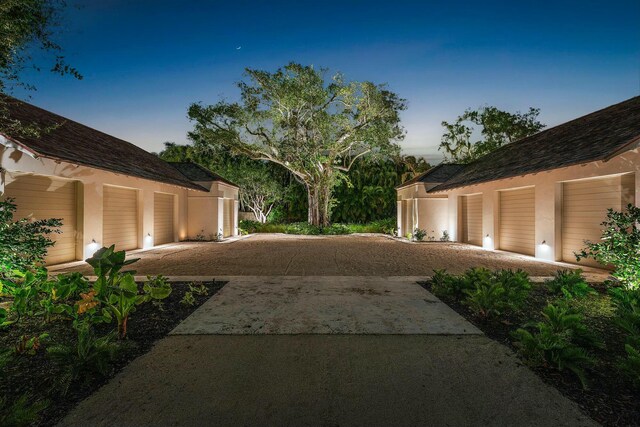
610, 399
37, 375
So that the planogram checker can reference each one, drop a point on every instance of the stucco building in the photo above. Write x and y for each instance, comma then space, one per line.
541, 196
106, 190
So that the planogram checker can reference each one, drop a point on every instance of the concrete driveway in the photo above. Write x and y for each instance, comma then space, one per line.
366, 352
355, 255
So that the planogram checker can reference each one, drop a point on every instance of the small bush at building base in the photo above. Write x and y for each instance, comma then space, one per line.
570, 284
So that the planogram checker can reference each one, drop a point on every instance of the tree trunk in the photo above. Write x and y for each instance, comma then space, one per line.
319, 197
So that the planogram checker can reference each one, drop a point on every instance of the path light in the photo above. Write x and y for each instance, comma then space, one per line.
92, 247
148, 241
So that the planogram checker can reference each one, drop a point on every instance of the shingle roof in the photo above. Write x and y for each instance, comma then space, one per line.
196, 172
435, 175
76, 143
596, 136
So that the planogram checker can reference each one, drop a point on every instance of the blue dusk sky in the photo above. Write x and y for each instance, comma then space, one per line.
145, 61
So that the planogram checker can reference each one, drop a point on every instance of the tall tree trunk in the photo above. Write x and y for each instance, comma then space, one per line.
319, 196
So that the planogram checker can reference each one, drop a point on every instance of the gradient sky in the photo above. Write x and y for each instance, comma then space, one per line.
145, 61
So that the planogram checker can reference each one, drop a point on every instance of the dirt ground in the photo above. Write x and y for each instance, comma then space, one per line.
354, 255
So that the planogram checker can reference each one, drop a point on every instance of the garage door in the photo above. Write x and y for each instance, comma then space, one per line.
162, 218
120, 220
227, 229
43, 197
517, 221
471, 218
584, 207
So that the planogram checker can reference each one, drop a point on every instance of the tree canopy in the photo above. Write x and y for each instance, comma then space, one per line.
497, 128
28, 26
313, 125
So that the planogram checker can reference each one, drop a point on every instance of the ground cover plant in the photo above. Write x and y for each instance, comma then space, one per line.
581, 338
386, 226
64, 336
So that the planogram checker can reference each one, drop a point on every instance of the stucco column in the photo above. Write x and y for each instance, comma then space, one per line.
416, 217
490, 209
91, 222
145, 207
547, 220
399, 216
220, 216
453, 216
236, 209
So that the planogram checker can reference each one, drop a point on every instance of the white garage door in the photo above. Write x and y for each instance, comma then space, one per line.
471, 219
162, 218
120, 218
584, 207
43, 197
227, 229
517, 221
433, 216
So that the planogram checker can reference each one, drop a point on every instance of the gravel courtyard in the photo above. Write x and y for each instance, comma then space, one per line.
354, 255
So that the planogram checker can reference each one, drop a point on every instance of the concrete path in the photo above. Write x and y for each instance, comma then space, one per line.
324, 305
256, 376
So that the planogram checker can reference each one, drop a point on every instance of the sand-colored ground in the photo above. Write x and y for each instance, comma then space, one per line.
355, 255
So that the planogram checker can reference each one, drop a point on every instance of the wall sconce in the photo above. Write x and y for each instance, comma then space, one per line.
93, 241
544, 242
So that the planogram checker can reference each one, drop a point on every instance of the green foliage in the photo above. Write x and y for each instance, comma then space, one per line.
198, 289
570, 284
21, 412
29, 345
487, 293
107, 264
444, 284
619, 246
497, 129
56, 296
23, 243
313, 127
560, 340
386, 226
494, 293
89, 356
631, 364
188, 299
419, 234
157, 288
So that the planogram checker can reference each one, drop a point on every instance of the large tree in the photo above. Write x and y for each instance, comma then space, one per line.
314, 126
497, 128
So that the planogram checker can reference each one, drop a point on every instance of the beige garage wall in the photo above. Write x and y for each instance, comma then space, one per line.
548, 202
433, 216
90, 198
41, 197
471, 219
584, 208
163, 218
517, 221
120, 217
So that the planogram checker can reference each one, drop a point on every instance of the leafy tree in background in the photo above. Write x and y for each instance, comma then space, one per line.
260, 182
497, 129
314, 127
413, 166
27, 26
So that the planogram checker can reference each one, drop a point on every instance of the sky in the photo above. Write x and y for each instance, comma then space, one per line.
145, 61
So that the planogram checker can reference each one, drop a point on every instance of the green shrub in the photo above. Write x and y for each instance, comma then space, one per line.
445, 236
23, 242
619, 246
560, 340
493, 293
21, 412
631, 364
419, 234
198, 289
444, 284
89, 356
188, 299
570, 284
